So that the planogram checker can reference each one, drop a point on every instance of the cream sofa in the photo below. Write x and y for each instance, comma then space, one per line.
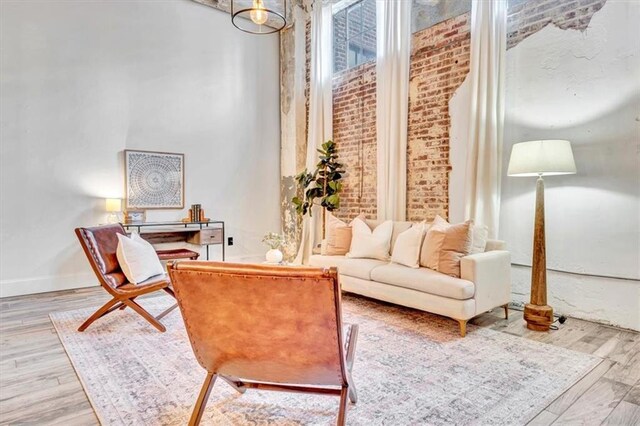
484, 283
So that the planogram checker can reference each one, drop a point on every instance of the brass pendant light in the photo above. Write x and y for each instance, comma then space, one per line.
259, 16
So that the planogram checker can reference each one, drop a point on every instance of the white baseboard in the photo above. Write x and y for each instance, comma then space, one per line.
45, 284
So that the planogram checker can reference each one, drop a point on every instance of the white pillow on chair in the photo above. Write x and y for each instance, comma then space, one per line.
138, 259
370, 244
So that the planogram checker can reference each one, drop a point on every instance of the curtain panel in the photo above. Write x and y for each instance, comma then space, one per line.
392, 106
320, 114
486, 118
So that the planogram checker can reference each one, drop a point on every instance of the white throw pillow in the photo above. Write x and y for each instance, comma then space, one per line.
479, 238
138, 259
369, 244
406, 250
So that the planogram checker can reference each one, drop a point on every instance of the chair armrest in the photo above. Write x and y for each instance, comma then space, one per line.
490, 272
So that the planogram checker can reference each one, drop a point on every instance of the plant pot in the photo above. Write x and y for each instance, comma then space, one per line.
274, 256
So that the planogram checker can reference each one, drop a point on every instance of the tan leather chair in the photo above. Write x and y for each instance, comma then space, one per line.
99, 244
266, 327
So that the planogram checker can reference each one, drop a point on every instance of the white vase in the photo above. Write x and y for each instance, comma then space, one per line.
274, 256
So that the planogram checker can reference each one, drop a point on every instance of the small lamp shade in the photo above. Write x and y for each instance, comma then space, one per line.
114, 205
541, 158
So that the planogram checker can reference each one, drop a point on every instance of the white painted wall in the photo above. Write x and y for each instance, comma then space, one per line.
82, 81
584, 87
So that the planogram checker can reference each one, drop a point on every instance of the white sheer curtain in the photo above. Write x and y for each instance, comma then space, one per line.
486, 119
320, 113
392, 90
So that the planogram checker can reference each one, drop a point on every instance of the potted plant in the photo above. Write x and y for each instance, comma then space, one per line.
323, 186
274, 241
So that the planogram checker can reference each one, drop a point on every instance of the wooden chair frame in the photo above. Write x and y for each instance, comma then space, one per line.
123, 295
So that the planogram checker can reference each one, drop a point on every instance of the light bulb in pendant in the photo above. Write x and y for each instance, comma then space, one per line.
258, 14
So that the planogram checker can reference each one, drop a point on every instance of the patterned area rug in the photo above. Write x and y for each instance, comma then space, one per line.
410, 368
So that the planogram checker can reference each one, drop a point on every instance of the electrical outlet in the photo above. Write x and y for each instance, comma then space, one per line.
230, 241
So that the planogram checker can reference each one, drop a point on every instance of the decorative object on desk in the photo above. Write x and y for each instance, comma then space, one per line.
134, 216
195, 212
154, 180
274, 241
540, 158
259, 16
113, 207
323, 184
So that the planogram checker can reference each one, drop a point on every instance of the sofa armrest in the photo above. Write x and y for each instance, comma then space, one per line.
490, 272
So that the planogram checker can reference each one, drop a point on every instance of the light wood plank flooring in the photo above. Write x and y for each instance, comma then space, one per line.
39, 385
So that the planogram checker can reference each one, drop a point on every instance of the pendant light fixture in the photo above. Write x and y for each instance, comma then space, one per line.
259, 16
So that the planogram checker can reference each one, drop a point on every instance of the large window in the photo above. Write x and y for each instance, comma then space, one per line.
354, 35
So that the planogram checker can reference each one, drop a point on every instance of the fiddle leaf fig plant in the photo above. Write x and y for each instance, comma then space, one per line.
322, 186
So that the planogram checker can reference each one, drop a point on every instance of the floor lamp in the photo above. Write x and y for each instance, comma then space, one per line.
540, 158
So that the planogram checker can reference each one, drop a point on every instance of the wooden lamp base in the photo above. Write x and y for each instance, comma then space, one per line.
537, 314
538, 318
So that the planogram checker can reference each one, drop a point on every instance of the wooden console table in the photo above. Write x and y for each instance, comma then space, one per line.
199, 233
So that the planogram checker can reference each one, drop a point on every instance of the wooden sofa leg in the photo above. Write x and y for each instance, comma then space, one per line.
506, 311
463, 327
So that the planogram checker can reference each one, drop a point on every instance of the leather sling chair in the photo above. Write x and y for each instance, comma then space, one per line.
99, 244
266, 327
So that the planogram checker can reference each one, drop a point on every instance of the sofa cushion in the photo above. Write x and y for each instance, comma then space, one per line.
407, 249
358, 268
398, 228
425, 280
338, 238
370, 243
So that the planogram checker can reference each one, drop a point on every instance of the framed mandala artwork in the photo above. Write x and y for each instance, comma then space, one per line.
154, 180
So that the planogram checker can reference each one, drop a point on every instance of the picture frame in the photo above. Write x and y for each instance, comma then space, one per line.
134, 216
153, 180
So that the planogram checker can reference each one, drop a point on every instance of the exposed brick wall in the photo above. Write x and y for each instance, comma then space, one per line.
439, 65
528, 17
354, 131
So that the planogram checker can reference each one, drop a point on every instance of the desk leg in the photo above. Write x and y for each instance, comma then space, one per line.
224, 242
207, 246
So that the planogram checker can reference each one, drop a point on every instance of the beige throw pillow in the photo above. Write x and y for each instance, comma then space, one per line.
137, 258
445, 245
338, 238
457, 244
370, 244
406, 250
430, 252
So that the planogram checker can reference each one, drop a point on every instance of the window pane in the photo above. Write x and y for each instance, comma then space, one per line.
339, 56
368, 14
369, 45
354, 20
340, 26
355, 51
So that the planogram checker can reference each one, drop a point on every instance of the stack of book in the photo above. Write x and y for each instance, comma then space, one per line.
195, 212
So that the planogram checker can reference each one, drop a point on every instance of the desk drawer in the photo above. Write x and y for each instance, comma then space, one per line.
206, 236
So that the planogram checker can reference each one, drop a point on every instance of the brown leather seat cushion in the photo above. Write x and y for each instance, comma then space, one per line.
177, 254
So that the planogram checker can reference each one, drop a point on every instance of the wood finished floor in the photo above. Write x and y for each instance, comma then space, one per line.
39, 385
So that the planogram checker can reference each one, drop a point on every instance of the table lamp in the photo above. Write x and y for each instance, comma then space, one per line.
113, 207
540, 158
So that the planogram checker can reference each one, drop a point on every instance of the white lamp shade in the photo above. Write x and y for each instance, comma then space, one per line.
542, 158
114, 205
